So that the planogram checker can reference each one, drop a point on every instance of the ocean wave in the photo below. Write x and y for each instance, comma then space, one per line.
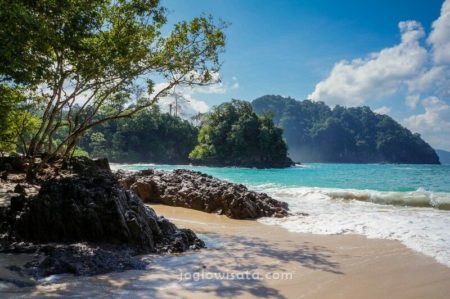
130, 167
418, 198
374, 214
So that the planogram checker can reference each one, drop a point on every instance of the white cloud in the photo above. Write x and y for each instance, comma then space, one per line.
383, 110
412, 100
215, 88
434, 123
439, 38
378, 75
187, 105
188, 102
426, 79
410, 70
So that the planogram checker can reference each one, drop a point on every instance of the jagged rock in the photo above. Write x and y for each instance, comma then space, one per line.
102, 163
194, 190
86, 166
94, 209
90, 208
81, 259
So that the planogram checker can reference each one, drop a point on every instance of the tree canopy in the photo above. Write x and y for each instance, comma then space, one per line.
233, 135
149, 136
317, 133
72, 59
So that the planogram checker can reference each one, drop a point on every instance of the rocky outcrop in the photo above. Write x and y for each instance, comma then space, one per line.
194, 190
94, 209
90, 208
78, 259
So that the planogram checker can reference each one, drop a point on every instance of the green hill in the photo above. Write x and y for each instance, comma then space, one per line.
317, 133
233, 135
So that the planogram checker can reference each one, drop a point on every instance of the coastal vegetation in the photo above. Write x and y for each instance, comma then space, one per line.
149, 136
78, 64
317, 133
230, 135
233, 135
88, 88
67, 67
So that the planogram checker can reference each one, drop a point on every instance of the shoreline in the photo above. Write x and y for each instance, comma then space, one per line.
324, 266
321, 266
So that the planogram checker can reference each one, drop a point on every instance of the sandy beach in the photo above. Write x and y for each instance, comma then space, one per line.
247, 259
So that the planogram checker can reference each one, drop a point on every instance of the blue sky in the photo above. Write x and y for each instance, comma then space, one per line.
383, 54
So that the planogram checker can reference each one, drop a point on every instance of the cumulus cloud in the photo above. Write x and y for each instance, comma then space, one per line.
439, 38
378, 75
414, 69
425, 79
412, 100
382, 110
434, 123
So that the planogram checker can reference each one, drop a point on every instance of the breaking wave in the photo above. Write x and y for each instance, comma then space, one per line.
419, 219
418, 198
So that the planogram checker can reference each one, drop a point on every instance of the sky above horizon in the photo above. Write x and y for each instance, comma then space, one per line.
393, 56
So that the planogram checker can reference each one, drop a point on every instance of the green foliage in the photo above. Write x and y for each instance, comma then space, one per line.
78, 152
8, 99
149, 136
233, 135
72, 58
16, 123
317, 133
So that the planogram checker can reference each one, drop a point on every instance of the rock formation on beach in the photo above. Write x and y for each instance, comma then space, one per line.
198, 191
83, 203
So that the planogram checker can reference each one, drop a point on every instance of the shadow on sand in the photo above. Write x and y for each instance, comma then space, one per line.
165, 276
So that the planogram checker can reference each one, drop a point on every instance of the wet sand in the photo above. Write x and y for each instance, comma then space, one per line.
246, 259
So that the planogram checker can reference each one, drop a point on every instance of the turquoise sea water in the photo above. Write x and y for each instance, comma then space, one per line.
408, 203
380, 177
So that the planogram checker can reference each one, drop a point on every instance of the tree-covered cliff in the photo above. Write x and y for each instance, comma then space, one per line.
317, 133
233, 135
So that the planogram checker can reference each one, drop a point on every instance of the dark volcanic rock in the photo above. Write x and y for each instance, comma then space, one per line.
103, 164
94, 209
194, 190
81, 259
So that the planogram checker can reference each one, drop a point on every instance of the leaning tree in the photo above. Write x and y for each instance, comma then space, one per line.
72, 59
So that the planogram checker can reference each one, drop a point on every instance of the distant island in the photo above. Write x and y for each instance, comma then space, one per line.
234, 135
317, 133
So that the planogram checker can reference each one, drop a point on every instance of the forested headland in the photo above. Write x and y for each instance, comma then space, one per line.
317, 133
230, 135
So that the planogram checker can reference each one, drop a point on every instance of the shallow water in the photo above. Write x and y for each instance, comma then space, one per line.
409, 203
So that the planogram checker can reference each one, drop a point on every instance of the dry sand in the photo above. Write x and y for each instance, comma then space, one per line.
307, 265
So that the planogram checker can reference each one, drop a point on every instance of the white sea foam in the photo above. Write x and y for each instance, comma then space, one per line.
129, 167
386, 215
418, 198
